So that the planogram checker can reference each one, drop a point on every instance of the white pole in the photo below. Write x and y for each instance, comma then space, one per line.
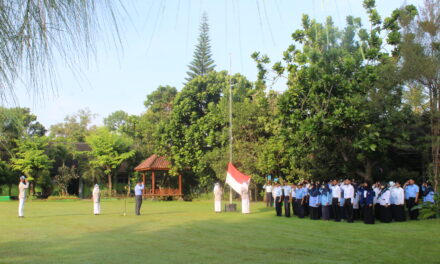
230, 120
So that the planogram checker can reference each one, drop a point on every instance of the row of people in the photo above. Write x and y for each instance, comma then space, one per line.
348, 200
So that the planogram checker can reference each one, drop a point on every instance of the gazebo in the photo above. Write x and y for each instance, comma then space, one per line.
157, 166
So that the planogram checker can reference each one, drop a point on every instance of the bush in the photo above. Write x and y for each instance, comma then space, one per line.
429, 210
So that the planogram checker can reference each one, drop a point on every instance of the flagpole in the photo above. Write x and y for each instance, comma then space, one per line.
230, 120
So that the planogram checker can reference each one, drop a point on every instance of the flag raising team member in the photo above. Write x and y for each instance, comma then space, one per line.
217, 198
22, 186
96, 200
245, 207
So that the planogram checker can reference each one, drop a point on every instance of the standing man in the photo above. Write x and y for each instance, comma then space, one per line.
367, 201
22, 186
348, 200
287, 197
268, 188
336, 195
412, 193
96, 200
300, 197
138, 189
217, 198
278, 202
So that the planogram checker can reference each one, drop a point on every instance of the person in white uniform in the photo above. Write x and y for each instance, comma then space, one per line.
245, 207
217, 198
96, 200
22, 186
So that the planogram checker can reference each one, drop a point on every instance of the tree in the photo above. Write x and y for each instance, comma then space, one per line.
31, 160
75, 127
202, 62
34, 31
161, 100
420, 48
341, 114
63, 178
116, 120
109, 150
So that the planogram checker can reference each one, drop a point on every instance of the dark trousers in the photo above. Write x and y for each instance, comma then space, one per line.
138, 200
294, 210
348, 206
377, 211
325, 212
413, 214
278, 206
269, 199
361, 212
314, 213
368, 215
335, 209
398, 213
385, 214
300, 208
287, 206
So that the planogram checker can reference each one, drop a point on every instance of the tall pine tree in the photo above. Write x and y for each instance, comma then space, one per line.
202, 62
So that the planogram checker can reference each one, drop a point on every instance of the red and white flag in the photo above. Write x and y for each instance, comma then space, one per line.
235, 178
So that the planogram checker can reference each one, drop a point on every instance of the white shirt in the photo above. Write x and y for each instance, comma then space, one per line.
268, 188
376, 192
336, 191
384, 199
348, 191
398, 196
293, 192
22, 188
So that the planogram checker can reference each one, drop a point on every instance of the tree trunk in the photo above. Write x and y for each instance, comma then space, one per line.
367, 174
109, 177
10, 189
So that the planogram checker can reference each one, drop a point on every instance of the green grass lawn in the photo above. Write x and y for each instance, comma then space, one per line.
190, 232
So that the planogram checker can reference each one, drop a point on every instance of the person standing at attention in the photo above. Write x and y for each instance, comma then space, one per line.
268, 188
348, 200
96, 200
412, 194
278, 202
217, 198
244, 191
367, 201
287, 198
22, 186
138, 189
336, 195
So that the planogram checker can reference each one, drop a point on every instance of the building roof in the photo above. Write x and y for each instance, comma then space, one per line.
154, 162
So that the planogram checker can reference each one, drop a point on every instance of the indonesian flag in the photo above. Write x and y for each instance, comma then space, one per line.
235, 178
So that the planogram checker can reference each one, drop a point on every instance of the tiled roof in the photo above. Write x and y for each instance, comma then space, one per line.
154, 162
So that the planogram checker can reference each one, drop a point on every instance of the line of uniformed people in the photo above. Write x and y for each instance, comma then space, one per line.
347, 200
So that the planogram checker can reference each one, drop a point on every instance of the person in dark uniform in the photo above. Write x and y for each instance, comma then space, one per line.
287, 197
367, 201
278, 199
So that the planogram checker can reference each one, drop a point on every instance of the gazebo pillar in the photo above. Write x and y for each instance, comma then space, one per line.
180, 184
152, 182
143, 180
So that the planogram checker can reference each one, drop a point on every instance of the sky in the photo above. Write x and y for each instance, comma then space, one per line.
158, 39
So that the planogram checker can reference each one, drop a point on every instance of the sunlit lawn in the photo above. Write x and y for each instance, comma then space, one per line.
190, 232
